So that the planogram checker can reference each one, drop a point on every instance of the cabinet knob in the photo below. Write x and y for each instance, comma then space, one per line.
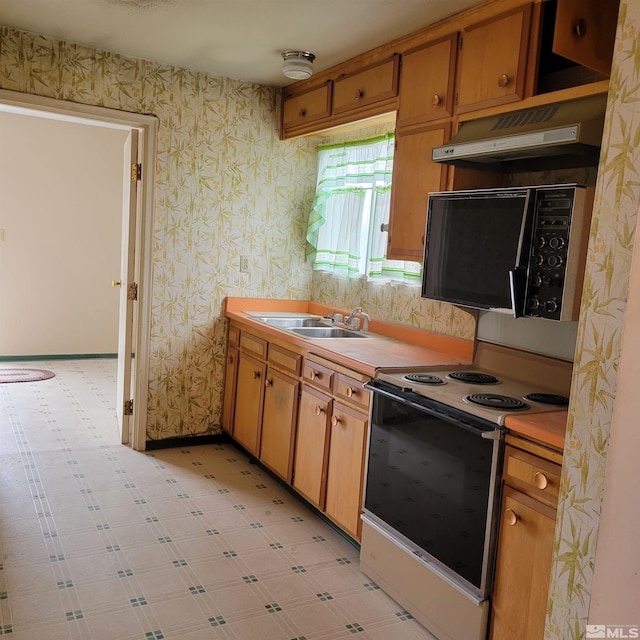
580, 28
256, 374
302, 112
504, 80
348, 392
335, 421
319, 410
541, 481
230, 359
511, 517
384, 228
314, 375
436, 100
359, 93
268, 383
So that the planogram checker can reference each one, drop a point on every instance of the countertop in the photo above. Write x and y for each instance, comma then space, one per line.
393, 346
547, 428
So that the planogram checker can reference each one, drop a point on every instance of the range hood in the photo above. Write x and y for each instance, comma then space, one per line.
555, 136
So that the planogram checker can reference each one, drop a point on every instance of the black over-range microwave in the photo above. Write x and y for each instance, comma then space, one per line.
518, 250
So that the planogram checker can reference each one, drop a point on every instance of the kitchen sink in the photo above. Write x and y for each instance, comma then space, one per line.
288, 323
327, 332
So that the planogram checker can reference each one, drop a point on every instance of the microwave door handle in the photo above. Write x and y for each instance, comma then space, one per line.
517, 286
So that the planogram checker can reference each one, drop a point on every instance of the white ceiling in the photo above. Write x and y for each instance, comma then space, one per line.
240, 39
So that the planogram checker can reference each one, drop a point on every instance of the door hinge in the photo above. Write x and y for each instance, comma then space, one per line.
128, 407
132, 292
136, 172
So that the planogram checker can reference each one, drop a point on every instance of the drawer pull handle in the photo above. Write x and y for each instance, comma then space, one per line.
359, 94
580, 28
319, 410
504, 80
511, 517
303, 113
256, 375
314, 375
348, 392
436, 100
268, 383
335, 421
541, 481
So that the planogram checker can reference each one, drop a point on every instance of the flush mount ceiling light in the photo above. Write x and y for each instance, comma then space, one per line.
297, 65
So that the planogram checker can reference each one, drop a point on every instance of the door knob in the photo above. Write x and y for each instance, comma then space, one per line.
116, 283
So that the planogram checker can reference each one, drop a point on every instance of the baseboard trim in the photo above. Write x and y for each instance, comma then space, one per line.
64, 356
186, 441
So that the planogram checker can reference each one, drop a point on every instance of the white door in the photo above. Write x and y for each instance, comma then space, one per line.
128, 288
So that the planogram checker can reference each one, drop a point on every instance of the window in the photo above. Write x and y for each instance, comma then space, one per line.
352, 202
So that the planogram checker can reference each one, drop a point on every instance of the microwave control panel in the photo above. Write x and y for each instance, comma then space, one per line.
550, 254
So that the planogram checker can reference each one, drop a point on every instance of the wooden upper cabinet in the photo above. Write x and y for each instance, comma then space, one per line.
415, 175
367, 86
306, 107
427, 82
585, 32
492, 61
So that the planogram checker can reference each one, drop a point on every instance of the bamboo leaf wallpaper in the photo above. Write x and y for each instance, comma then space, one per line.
227, 186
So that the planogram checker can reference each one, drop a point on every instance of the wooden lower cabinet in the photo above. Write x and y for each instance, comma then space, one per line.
278, 423
525, 548
249, 399
312, 445
347, 447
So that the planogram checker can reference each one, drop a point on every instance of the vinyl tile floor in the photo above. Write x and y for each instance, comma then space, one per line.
100, 542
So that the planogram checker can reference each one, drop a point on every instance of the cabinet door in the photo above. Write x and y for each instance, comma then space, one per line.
373, 84
230, 382
585, 32
306, 107
347, 446
249, 400
312, 446
414, 176
492, 61
278, 423
523, 568
426, 82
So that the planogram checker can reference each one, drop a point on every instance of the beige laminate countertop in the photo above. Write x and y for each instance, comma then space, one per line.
393, 345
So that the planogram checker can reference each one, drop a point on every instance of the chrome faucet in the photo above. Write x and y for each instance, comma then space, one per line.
358, 312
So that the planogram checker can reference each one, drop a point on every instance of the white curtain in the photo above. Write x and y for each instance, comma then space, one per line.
352, 200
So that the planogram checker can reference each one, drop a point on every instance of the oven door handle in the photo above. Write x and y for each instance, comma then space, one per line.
496, 434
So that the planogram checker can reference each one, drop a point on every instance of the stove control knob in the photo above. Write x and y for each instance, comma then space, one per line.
555, 261
539, 259
537, 280
550, 306
534, 303
556, 242
540, 242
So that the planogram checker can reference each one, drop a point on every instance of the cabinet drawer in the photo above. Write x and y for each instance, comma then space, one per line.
532, 475
351, 390
284, 360
305, 107
317, 375
234, 336
361, 88
254, 345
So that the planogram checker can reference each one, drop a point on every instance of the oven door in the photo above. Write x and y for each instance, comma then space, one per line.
433, 482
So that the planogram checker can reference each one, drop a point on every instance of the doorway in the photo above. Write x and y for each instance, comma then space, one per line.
137, 220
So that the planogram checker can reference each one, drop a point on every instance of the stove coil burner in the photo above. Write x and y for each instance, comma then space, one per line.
494, 401
548, 398
423, 378
473, 377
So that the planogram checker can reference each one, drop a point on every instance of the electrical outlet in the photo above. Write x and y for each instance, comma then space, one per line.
244, 264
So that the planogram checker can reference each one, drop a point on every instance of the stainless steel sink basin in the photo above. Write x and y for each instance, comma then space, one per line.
327, 332
288, 323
